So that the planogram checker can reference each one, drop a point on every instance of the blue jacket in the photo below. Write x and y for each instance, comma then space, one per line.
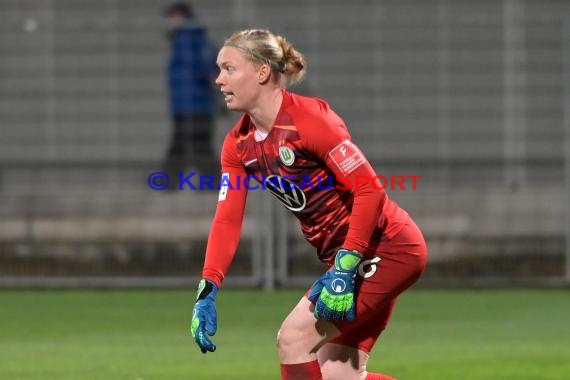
191, 71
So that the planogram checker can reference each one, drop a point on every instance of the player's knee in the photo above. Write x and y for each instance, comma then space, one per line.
293, 338
286, 339
342, 362
339, 370
329, 369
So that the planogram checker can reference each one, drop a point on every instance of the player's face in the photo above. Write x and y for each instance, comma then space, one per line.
237, 79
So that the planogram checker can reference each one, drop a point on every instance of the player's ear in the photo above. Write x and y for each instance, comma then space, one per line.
263, 74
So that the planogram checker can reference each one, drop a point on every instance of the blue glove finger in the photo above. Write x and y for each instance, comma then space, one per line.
351, 314
320, 309
336, 312
211, 323
203, 341
316, 290
328, 313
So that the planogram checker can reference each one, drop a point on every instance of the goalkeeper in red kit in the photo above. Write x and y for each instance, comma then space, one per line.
373, 248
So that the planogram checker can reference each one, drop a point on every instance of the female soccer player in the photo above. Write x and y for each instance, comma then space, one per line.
301, 149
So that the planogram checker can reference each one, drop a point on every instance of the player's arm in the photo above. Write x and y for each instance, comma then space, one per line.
222, 243
328, 138
225, 231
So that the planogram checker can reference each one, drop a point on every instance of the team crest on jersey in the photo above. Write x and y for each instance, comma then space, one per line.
286, 155
288, 193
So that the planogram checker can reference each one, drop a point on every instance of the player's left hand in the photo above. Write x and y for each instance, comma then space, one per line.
204, 318
333, 292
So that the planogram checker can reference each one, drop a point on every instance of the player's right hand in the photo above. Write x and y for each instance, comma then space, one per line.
204, 318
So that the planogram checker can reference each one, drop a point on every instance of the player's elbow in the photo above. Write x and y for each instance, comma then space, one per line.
371, 195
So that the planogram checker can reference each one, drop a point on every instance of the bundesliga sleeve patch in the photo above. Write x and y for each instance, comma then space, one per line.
224, 184
347, 156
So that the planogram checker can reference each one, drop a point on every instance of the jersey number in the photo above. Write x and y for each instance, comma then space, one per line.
367, 268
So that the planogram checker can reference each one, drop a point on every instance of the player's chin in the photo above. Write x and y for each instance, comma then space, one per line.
233, 106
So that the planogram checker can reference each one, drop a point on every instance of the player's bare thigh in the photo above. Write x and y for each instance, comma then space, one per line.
301, 334
342, 362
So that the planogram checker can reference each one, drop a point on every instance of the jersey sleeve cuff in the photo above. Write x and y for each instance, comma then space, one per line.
213, 275
360, 247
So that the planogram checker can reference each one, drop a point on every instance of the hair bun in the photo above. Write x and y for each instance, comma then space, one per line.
294, 66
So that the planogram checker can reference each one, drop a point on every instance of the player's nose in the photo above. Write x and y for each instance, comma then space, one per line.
219, 79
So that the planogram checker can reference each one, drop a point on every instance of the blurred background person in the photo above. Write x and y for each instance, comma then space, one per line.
191, 72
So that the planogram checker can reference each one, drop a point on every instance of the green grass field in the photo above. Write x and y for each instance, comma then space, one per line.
143, 335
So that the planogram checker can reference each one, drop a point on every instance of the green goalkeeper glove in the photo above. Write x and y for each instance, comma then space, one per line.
333, 292
204, 318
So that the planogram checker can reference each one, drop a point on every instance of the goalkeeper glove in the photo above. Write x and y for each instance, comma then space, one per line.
333, 292
204, 318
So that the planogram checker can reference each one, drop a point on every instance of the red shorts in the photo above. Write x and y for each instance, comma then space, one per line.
396, 265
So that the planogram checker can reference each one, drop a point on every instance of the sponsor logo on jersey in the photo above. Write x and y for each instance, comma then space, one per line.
347, 156
287, 192
286, 155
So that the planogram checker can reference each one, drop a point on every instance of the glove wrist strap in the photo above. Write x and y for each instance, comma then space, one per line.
346, 260
206, 289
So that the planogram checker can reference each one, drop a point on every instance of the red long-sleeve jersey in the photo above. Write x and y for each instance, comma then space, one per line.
311, 166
